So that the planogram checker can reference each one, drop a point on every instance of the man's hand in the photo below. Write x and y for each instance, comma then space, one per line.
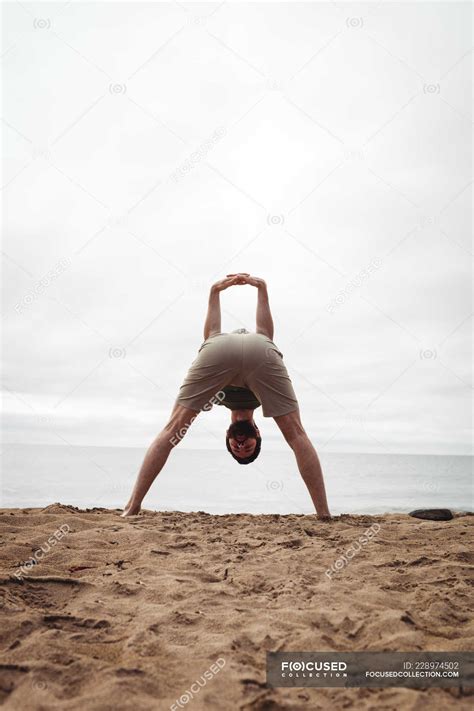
222, 284
245, 278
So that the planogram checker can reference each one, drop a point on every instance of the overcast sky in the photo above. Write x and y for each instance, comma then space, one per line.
152, 148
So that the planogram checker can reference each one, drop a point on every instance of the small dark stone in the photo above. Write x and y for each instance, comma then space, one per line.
407, 618
432, 514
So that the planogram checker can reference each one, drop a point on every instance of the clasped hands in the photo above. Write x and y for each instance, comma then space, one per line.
238, 280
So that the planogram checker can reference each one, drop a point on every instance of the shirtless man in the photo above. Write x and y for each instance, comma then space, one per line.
241, 371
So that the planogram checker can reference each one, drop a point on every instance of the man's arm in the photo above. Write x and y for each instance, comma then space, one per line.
306, 459
212, 325
264, 315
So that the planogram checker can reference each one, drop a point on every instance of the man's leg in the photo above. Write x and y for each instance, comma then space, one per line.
306, 459
157, 454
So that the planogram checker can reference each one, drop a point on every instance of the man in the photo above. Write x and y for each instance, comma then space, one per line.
241, 371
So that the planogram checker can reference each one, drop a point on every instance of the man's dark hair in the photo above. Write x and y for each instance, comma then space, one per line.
249, 429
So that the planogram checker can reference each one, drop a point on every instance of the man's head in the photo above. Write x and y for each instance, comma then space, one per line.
243, 441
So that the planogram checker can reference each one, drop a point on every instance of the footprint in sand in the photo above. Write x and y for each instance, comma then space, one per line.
45, 594
11, 675
71, 623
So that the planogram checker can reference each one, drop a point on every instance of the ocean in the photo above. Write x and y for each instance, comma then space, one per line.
209, 480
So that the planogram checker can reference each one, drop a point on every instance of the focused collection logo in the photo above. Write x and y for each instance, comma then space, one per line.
415, 670
313, 668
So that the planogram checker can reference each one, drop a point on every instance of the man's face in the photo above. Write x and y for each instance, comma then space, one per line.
242, 438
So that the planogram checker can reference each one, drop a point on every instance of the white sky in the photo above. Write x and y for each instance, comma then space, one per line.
337, 140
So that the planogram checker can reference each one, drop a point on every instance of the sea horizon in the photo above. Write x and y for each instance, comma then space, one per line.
37, 475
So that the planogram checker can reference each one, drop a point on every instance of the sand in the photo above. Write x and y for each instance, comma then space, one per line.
127, 614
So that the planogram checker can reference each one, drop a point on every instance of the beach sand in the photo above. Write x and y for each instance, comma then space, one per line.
128, 613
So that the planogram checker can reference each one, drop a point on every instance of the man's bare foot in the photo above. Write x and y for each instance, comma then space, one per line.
130, 511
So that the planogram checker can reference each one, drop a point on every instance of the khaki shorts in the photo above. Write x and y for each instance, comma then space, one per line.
249, 360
